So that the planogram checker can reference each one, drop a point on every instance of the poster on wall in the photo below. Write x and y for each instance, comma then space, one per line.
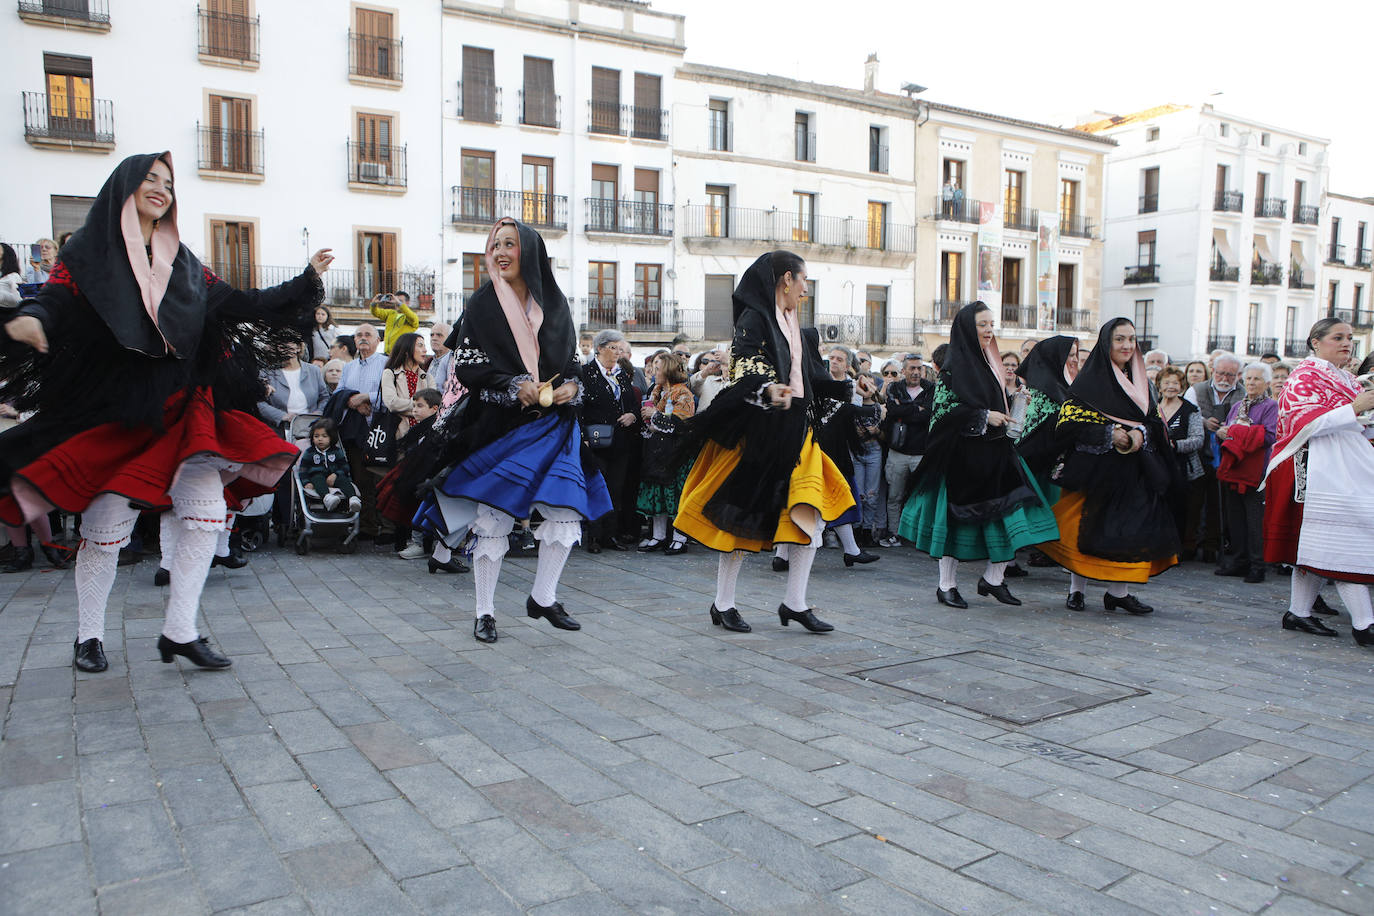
1047, 271
989, 248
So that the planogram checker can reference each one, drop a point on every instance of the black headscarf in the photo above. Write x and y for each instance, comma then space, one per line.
1043, 368
98, 261
1098, 386
757, 292
966, 369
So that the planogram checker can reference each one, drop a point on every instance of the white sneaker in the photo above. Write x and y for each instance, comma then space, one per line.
332, 500
413, 551
355, 504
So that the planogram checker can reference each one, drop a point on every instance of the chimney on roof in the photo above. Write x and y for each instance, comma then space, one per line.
870, 72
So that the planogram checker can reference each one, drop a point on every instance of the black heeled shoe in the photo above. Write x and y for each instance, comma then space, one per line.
21, 562
1363, 637
1128, 603
484, 628
197, 651
1000, 592
554, 614
232, 561
649, 546
1312, 626
1014, 571
675, 547
162, 578
1076, 602
89, 655
454, 565
59, 557
1321, 607
780, 565
951, 598
863, 556
806, 618
730, 620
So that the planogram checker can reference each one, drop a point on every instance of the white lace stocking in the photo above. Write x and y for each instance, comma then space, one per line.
798, 574
727, 574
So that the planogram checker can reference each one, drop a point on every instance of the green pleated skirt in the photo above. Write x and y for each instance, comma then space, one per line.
926, 523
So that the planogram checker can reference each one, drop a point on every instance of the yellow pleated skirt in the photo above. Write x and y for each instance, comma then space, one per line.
816, 491
1068, 512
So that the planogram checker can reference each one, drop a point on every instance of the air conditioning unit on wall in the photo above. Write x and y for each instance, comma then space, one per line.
372, 171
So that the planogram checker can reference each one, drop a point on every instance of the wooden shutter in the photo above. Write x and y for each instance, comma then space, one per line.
388, 272
647, 93
374, 24
605, 86
646, 180
539, 97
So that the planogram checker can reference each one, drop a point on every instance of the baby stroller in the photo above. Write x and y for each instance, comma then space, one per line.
253, 521
308, 509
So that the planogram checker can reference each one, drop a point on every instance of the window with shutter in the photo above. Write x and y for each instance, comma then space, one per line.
479, 84
537, 190
71, 95
377, 258
227, 144
373, 162
645, 211
648, 116
374, 44
539, 107
69, 213
605, 103
477, 195
602, 206
231, 254
649, 294
227, 29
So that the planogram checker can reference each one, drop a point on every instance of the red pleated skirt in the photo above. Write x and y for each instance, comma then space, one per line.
1283, 525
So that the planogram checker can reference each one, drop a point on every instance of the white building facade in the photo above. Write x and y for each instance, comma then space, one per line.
1213, 231
345, 158
1347, 234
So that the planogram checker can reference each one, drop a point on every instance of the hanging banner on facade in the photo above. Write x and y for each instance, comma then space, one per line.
989, 249
1047, 272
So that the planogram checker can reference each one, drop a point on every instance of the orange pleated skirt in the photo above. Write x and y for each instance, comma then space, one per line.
1068, 512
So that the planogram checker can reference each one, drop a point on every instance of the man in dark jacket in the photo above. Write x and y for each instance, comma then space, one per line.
906, 427
1213, 398
609, 400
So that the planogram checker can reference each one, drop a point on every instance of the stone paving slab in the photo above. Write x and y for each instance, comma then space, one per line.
365, 755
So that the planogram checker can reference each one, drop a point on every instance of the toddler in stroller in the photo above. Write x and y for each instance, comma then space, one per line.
323, 469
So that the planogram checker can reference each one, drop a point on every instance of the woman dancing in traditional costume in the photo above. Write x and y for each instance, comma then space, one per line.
171, 348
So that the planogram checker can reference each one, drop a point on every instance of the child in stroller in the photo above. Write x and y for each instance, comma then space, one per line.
323, 468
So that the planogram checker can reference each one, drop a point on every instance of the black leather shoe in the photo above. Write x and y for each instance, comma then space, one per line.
59, 557
649, 546
1014, 571
197, 651
1363, 637
1233, 571
554, 614
951, 598
1309, 625
1075, 602
730, 620
1255, 575
675, 547
613, 544
162, 578
89, 655
484, 628
1000, 592
780, 565
806, 618
593, 546
863, 556
233, 561
1040, 560
1128, 603
1321, 607
454, 565
22, 561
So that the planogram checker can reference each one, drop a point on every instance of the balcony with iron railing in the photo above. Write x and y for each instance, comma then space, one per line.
374, 58
1335, 254
69, 122
540, 109
344, 287
1141, 273
658, 316
1075, 226
1271, 208
703, 221
1257, 346
1299, 279
84, 15
1221, 272
946, 309
1306, 214
1360, 319
228, 153
377, 167
957, 208
1149, 203
1362, 257
478, 208
1295, 347
1225, 342
1018, 316
226, 38
1075, 319
634, 121
1266, 273
628, 217
1026, 219
480, 101
1228, 202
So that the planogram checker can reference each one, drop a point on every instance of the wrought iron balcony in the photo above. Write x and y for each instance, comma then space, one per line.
1018, 316
1362, 257
68, 121
479, 101
1295, 347
1266, 273
1298, 279
1024, 218
344, 287
225, 150
374, 56
228, 36
627, 120
1359, 319
1271, 208
1306, 215
1258, 346
946, 309
1074, 319
481, 207
1142, 273
1335, 254
1075, 226
628, 216
380, 164
958, 208
1149, 203
89, 14
1228, 202
541, 109
1221, 272
656, 315
703, 221
1225, 342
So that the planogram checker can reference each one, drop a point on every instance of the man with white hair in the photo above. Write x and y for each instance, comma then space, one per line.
443, 356
1157, 359
1213, 398
364, 376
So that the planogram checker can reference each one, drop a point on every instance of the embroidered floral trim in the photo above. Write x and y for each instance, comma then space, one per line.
510, 396
752, 365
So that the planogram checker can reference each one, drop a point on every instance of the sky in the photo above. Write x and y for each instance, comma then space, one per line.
1303, 66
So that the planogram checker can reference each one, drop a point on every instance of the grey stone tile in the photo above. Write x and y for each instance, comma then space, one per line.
346, 777
107, 730
445, 799
151, 895
387, 746
638, 882
52, 880
766, 741
1230, 828
874, 896
32, 817
344, 878
131, 841
37, 759
1321, 776
756, 843
787, 814
573, 780
1054, 893
225, 718
909, 833
234, 863
1057, 855
1203, 744
346, 707
503, 852
679, 798
295, 816
924, 879
1028, 814
551, 820
648, 829
1234, 771
307, 731
589, 904
463, 887
1156, 896
160, 707
201, 793
403, 841
473, 760
179, 744
258, 759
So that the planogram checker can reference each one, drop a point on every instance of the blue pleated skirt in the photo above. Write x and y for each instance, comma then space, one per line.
538, 463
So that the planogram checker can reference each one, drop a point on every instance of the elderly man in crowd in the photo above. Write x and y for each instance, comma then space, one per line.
363, 376
442, 362
909, 400
1154, 361
707, 381
1213, 398
609, 405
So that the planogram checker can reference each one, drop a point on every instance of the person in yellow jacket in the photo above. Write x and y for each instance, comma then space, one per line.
400, 318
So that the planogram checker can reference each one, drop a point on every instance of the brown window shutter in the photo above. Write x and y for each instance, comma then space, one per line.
216, 104
646, 180
606, 173
246, 255
1146, 238
647, 93
69, 66
389, 277
605, 85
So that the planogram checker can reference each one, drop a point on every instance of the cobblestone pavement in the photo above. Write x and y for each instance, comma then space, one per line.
365, 755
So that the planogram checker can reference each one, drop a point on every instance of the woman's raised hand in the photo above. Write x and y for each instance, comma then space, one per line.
321, 260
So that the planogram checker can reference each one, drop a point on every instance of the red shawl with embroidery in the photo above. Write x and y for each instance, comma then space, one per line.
1314, 388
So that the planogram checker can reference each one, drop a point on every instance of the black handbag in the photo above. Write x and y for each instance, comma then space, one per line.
599, 435
379, 449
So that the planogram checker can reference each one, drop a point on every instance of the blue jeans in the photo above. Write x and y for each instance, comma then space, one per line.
868, 464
